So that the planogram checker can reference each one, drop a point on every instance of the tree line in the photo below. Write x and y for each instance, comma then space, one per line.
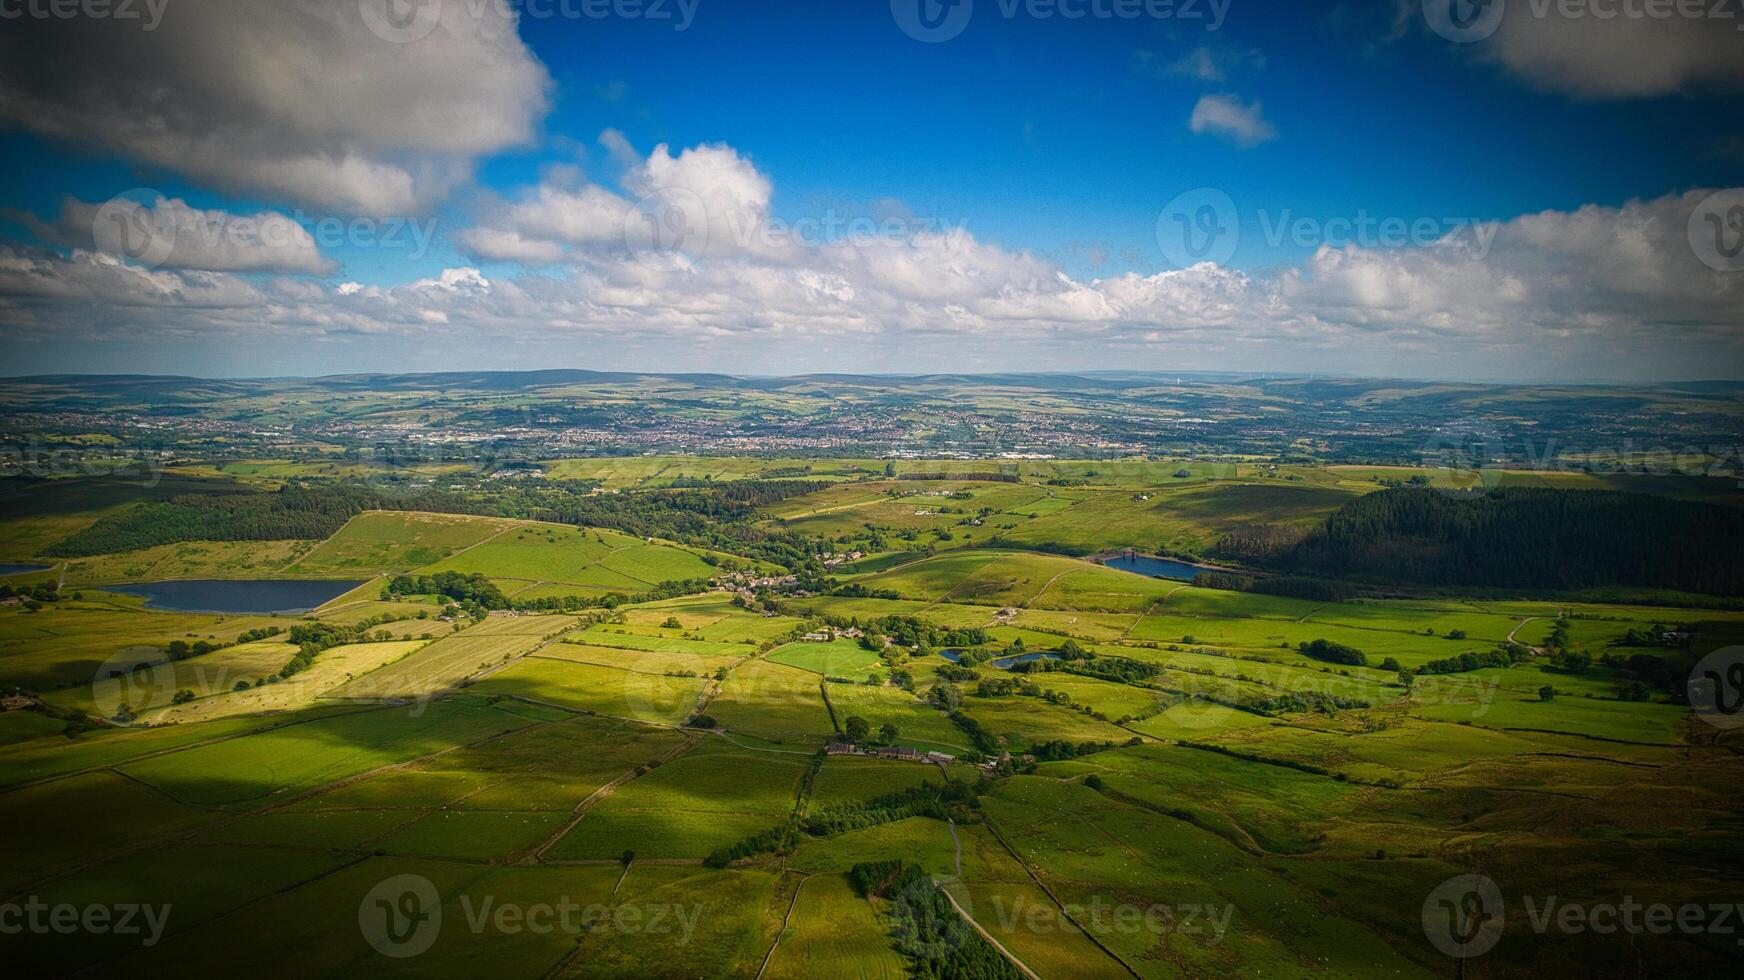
293, 512
1530, 537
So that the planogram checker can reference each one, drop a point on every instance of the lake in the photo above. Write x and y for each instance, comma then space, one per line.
21, 569
258, 596
1154, 567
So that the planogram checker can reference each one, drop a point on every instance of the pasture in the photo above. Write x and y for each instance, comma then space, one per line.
452, 659
838, 658
397, 541
522, 756
597, 689
710, 796
773, 703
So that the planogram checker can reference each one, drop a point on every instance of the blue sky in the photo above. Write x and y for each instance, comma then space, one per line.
1057, 139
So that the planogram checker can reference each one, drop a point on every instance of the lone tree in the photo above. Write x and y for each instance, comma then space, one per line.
672, 623
887, 733
857, 728
1546, 693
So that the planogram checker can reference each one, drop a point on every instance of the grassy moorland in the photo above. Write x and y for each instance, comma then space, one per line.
1185, 784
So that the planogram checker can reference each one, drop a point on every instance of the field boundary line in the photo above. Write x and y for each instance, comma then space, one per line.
352, 861
792, 904
1050, 583
1147, 611
1244, 843
536, 855
225, 819
996, 944
359, 709
1049, 892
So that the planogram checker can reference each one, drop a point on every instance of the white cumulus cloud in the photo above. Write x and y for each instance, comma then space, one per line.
295, 99
1229, 117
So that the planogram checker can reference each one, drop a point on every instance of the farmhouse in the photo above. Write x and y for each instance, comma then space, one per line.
940, 757
841, 748
902, 752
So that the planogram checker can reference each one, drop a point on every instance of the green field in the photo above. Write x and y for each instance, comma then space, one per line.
1301, 810
839, 658
446, 662
707, 797
69, 644
394, 541
552, 554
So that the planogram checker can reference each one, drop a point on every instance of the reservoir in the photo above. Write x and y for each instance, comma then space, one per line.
21, 569
231, 596
1154, 567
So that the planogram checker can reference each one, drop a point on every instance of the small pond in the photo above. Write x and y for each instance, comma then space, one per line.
1003, 663
259, 596
1154, 567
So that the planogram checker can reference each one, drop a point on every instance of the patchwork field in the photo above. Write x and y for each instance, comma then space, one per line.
706, 798
448, 661
1254, 810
